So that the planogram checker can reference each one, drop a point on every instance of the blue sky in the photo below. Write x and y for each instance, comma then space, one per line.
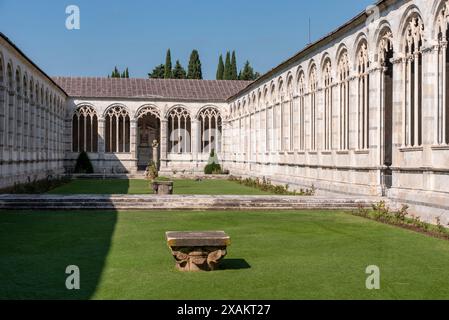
137, 33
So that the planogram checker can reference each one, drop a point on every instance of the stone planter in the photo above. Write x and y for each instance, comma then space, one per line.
162, 187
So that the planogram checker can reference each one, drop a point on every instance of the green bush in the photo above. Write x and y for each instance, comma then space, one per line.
152, 173
213, 167
265, 184
83, 164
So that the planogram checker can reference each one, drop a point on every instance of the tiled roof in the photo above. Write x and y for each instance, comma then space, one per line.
174, 89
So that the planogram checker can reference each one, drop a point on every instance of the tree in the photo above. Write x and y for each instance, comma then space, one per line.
158, 72
220, 68
168, 66
83, 164
115, 73
233, 72
179, 72
247, 73
227, 67
194, 69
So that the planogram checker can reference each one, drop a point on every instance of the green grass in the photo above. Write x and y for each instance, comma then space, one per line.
274, 255
186, 187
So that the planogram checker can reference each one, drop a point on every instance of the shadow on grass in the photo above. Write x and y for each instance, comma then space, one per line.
234, 264
36, 247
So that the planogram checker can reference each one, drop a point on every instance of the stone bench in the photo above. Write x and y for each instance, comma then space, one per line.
198, 251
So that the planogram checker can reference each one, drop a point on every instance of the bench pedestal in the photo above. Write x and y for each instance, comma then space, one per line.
198, 251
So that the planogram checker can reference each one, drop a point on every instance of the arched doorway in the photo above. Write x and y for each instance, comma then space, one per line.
148, 131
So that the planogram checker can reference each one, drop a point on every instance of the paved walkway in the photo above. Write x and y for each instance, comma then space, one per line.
182, 202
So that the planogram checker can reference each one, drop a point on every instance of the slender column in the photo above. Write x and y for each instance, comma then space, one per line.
196, 138
266, 130
133, 138
101, 136
365, 114
444, 82
416, 104
164, 142
409, 102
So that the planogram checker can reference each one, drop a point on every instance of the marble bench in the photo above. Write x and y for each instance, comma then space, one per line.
198, 251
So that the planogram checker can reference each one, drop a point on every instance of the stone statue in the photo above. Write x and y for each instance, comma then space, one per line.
155, 151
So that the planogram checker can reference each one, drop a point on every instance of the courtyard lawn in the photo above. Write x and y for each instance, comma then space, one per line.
185, 187
274, 255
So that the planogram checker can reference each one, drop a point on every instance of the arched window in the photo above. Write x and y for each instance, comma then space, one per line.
443, 75
211, 128
313, 78
18, 111
302, 103
279, 123
327, 77
413, 76
288, 117
25, 114
363, 97
343, 75
85, 130
179, 126
117, 130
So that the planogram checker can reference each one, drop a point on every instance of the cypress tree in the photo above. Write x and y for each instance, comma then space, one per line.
127, 73
194, 69
227, 67
179, 72
123, 75
115, 73
220, 68
247, 73
234, 72
168, 66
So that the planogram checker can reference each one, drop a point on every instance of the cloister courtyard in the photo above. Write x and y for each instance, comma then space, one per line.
327, 177
275, 254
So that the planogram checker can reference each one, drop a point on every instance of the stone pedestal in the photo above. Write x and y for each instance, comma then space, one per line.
162, 187
198, 251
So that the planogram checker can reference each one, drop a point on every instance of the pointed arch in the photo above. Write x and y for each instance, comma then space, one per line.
412, 50
117, 129
180, 129
344, 95
210, 128
85, 129
363, 82
328, 98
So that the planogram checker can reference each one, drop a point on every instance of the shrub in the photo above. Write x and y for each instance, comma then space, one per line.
83, 164
151, 172
212, 166
265, 184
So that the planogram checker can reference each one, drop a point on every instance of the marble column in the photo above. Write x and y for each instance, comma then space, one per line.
196, 141
164, 144
133, 142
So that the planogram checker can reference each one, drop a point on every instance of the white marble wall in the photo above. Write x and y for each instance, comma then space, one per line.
32, 112
419, 172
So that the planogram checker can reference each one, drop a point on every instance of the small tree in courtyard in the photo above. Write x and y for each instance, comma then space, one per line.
83, 164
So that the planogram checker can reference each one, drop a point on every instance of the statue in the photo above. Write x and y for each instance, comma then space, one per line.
155, 151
